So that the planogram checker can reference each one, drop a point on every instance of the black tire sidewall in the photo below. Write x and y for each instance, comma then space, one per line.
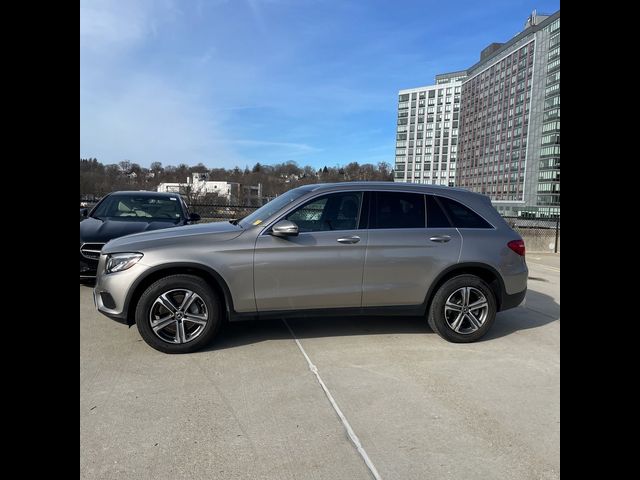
436, 316
190, 282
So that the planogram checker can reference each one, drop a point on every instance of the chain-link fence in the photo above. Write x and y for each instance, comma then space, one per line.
216, 213
539, 234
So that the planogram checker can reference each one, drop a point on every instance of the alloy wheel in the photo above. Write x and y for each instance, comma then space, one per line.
466, 310
178, 316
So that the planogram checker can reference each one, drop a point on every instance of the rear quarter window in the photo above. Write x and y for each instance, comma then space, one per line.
462, 216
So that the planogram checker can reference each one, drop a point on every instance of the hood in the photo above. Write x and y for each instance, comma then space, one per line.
101, 231
216, 231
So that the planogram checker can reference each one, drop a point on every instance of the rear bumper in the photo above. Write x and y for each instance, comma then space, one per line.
515, 275
512, 301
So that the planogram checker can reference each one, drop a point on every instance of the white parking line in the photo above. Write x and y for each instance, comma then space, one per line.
354, 438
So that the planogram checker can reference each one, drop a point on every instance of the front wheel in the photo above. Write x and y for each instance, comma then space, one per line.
178, 314
463, 309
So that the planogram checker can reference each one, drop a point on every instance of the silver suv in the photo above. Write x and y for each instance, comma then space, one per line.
363, 248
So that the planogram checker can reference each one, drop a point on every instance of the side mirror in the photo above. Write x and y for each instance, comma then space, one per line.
84, 212
284, 228
194, 217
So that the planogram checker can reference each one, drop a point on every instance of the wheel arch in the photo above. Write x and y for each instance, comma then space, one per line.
486, 272
213, 279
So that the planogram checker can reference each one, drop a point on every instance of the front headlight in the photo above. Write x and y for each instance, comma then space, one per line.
118, 262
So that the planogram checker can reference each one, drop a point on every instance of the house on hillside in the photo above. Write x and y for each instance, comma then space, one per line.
199, 185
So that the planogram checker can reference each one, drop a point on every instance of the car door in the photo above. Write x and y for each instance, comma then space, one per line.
406, 249
322, 266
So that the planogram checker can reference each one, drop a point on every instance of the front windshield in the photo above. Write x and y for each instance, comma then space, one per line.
139, 207
264, 212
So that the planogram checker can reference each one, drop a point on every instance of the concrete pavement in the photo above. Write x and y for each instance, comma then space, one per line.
249, 407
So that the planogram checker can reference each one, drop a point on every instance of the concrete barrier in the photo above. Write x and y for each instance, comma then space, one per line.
540, 243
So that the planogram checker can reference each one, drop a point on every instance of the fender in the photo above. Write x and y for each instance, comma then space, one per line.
462, 266
133, 291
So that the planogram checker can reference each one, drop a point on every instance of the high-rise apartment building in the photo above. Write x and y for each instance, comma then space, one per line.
427, 132
507, 128
548, 192
510, 122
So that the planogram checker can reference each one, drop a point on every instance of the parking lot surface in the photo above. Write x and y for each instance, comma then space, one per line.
249, 407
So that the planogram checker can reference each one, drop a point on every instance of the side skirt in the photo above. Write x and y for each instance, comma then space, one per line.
391, 311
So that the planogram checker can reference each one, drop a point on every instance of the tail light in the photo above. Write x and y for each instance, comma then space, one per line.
517, 246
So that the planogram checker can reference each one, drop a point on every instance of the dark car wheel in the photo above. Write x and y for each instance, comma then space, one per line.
178, 314
463, 309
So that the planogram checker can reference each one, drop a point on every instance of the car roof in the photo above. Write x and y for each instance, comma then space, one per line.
387, 186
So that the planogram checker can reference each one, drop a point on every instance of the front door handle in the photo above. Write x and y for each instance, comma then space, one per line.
440, 238
354, 239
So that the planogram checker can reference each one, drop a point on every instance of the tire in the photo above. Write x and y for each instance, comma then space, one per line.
444, 318
178, 330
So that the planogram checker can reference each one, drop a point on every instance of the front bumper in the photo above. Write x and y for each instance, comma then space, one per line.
88, 267
111, 291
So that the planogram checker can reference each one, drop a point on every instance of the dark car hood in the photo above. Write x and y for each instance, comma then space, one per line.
222, 231
99, 231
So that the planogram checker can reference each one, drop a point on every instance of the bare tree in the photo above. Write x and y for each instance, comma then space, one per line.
98, 179
192, 192
125, 166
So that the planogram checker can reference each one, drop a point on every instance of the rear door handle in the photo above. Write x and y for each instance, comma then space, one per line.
440, 238
354, 239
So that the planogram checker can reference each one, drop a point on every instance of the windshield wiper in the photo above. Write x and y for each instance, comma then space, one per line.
234, 221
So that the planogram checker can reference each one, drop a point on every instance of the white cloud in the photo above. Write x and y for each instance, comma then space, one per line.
129, 111
289, 146
112, 24
151, 121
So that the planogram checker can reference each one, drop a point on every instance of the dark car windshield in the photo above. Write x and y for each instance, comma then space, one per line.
139, 207
264, 212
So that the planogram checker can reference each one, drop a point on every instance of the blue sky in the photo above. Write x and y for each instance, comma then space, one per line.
235, 82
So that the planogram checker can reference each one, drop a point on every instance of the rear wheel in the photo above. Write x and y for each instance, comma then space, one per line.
178, 314
463, 309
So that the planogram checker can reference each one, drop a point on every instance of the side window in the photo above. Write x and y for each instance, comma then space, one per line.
398, 210
436, 218
461, 216
337, 211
